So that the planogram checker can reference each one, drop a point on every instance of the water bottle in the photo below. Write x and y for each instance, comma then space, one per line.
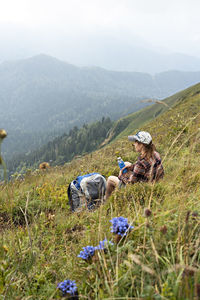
121, 164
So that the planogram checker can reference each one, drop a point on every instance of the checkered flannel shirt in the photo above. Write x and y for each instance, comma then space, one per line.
144, 170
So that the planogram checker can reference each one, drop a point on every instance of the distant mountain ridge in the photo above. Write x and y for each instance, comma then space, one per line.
42, 97
90, 137
118, 51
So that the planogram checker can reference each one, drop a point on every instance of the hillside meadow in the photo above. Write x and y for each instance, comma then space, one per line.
158, 259
90, 137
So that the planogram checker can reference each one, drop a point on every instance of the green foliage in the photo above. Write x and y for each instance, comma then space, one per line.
42, 97
158, 259
63, 149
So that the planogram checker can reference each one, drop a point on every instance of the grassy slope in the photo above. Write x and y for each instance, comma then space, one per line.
148, 264
138, 119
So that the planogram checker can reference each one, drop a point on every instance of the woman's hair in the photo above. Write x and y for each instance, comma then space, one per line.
148, 150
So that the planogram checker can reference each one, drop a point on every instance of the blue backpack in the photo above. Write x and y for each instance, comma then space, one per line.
86, 191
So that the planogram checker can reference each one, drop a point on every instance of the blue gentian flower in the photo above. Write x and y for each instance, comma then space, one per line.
103, 245
87, 252
67, 287
120, 226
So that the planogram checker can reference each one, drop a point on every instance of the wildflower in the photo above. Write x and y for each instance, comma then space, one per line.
87, 252
147, 212
3, 134
120, 226
103, 245
68, 287
5, 248
44, 166
163, 229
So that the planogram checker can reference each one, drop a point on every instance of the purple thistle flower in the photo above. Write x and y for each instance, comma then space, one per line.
67, 287
147, 212
120, 226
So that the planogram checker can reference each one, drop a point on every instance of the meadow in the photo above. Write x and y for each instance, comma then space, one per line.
158, 259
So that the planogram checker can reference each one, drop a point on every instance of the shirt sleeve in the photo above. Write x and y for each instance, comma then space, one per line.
138, 172
132, 167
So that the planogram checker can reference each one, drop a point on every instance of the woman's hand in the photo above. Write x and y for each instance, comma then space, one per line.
130, 179
127, 166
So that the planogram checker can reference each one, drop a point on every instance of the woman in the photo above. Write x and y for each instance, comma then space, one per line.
147, 168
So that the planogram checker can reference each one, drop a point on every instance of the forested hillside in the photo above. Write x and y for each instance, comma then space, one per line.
159, 258
62, 149
42, 97
88, 138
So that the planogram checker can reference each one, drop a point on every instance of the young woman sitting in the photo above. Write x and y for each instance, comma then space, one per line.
148, 167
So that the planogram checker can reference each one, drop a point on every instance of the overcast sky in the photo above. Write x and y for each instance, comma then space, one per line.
168, 25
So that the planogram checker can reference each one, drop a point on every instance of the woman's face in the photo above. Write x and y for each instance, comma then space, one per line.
138, 146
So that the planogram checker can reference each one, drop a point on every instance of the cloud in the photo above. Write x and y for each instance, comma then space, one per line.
172, 24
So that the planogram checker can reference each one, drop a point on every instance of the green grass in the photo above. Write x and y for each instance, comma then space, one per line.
160, 257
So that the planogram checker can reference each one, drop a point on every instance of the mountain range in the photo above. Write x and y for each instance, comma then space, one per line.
118, 51
43, 97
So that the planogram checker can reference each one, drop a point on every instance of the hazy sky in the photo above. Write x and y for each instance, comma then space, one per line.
173, 25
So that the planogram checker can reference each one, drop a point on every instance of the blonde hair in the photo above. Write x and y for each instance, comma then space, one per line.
148, 151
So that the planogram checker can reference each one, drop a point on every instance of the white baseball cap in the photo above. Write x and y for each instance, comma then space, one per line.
142, 137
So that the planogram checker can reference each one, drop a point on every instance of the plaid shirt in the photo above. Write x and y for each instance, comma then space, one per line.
144, 170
